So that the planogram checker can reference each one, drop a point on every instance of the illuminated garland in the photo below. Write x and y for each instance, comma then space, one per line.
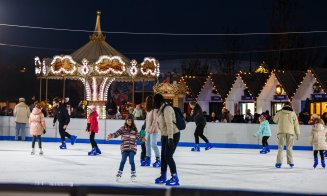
110, 58
149, 71
85, 69
70, 59
133, 68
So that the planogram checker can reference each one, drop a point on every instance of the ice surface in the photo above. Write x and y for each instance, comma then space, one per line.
243, 169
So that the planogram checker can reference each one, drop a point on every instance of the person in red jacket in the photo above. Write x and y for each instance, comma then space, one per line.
93, 128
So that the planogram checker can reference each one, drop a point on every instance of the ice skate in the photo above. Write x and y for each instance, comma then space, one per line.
278, 165
263, 151
291, 165
97, 150
118, 176
196, 148
157, 163
174, 181
33, 151
133, 176
147, 161
63, 146
315, 163
92, 152
73, 139
323, 164
161, 179
41, 152
209, 146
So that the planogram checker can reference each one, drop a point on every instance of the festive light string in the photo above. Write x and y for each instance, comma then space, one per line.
163, 33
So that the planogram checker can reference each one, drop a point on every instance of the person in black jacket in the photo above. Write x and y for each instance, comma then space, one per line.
200, 122
61, 114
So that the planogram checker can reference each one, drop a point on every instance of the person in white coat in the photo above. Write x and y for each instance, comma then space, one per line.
318, 140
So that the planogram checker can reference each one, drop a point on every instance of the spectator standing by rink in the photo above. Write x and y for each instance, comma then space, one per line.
22, 114
288, 127
170, 136
111, 109
93, 128
318, 140
200, 122
248, 116
37, 127
128, 147
61, 114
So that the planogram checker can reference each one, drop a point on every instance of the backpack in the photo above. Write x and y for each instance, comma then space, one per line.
180, 120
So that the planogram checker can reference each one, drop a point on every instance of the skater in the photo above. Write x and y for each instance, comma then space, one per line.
318, 141
151, 133
92, 129
21, 113
63, 118
288, 127
128, 147
37, 127
170, 136
264, 130
143, 147
200, 121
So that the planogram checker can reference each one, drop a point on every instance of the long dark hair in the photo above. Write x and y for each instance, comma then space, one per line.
149, 105
132, 127
158, 100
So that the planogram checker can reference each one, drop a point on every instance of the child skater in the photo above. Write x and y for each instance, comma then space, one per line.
264, 130
128, 147
318, 141
143, 152
37, 127
93, 128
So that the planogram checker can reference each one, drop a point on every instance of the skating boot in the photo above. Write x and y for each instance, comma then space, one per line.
325, 153
143, 163
63, 145
323, 164
315, 163
41, 152
263, 151
73, 139
133, 176
278, 165
92, 152
208, 147
147, 161
33, 151
162, 179
118, 176
291, 165
157, 163
267, 149
97, 150
174, 181
196, 148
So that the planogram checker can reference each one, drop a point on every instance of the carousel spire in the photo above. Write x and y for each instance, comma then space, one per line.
97, 35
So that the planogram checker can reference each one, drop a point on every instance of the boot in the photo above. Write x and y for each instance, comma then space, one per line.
92, 152
41, 151
174, 181
196, 148
278, 165
263, 151
33, 151
97, 150
143, 163
325, 153
162, 179
147, 161
63, 145
291, 165
315, 163
73, 139
267, 149
323, 164
209, 146
157, 163
118, 176
133, 176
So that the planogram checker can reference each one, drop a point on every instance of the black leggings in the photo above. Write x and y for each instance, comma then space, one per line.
34, 139
92, 140
199, 133
63, 132
265, 141
321, 152
167, 154
143, 152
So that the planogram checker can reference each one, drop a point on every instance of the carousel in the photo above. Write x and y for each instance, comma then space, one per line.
96, 65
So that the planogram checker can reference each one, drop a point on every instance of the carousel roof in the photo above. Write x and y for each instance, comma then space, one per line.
223, 82
255, 82
97, 46
320, 74
290, 80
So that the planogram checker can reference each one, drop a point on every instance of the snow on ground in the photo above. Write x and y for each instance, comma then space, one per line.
243, 169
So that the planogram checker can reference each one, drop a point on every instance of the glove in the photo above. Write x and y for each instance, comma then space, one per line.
88, 127
44, 131
171, 144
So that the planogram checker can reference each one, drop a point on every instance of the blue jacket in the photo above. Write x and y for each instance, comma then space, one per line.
264, 129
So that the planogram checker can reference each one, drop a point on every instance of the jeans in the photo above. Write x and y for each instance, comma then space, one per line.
23, 133
124, 156
167, 154
151, 141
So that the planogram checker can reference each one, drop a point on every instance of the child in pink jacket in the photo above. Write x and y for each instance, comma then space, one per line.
37, 127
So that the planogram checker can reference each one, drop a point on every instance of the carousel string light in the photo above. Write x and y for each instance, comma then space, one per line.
149, 71
133, 69
110, 69
94, 84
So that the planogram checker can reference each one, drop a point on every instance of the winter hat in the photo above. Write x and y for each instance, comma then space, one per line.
315, 116
21, 99
91, 107
263, 117
130, 116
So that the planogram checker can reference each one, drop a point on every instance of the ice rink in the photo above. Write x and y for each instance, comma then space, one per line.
218, 168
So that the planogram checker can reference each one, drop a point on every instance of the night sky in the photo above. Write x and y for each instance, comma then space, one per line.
182, 16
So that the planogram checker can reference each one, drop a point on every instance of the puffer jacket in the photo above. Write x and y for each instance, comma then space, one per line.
36, 122
151, 121
128, 138
287, 122
93, 120
264, 129
166, 121
318, 137
22, 113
